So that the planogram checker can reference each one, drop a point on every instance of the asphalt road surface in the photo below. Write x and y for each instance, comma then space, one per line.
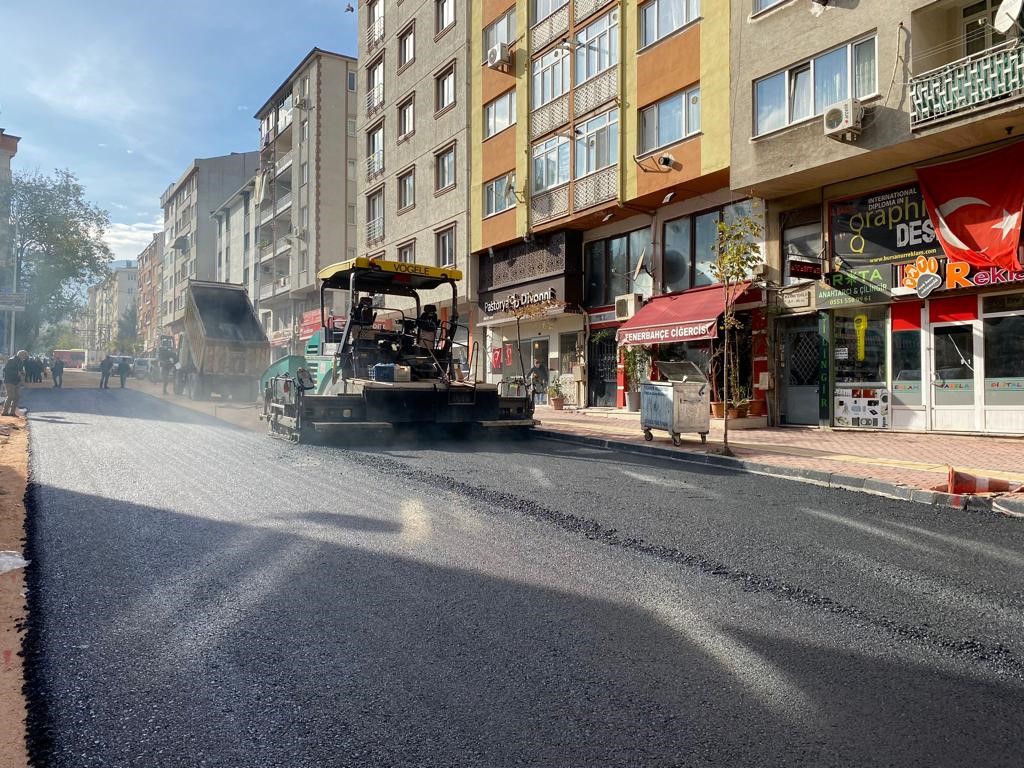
205, 596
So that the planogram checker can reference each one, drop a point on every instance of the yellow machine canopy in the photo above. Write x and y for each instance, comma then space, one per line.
378, 275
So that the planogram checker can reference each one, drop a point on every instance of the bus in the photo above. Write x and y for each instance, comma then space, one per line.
73, 358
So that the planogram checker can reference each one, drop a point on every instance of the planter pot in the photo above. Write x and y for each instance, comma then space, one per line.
734, 413
741, 411
757, 408
558, 403
718, 409
632, 402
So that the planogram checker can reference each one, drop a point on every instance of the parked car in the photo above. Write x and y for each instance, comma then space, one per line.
117, 361
143, 367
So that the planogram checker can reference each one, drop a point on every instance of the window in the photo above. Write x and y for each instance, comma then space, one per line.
445, 89
375, 216
544, 8
445, 14
501, 31
350, 213
500, 114
597, 47
351, 170
407, 252
305, 86
609, 266
550, 163
375, 85
406, 47
350, 126
597, 143
406, 118
1004, 350
690, 246
807, 89
406, 190
305, 173
801, 244
763, 5
375, 151
444, 164
352, 81
550, 77
375, 21
660, 18
500, 194
445, 246
670, 120
304, 217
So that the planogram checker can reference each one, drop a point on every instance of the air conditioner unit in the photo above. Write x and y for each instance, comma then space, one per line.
300, 104
498, 55
843, 120
627, 305
282, 281
760, 271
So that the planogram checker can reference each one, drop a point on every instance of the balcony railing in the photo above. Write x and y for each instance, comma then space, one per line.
266, 289
374, 32
375, 230
550, 116
596, 188
283, 202
549, 28
284, 162
549, 204
965, 85
374, 164
375, 98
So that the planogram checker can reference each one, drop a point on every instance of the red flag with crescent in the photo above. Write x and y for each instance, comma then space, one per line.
975, 206
496, 359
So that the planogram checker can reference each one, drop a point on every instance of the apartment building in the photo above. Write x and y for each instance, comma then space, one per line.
190, 237
884, 137
414, 147
237, 254
8, 149
109, 301
600, 168
148, 293
304, 196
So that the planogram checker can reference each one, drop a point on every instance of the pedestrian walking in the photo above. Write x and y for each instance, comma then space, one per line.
13, 371
122, 370
538, 378
57, 370
106, 366
166, 367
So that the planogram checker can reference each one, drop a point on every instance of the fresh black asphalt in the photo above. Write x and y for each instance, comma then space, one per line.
205, 596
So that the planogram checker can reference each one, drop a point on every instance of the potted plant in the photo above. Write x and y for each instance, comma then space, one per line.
757, 406
739, 404
556, 396
636, 363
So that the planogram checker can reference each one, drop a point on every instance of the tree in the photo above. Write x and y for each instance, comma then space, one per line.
128, 329
58, 247
736, 257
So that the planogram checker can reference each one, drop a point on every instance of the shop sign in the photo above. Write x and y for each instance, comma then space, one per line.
514, 301
701, 329
927, 275
852, 287
798, 300
310, 324
805, 269
608, 316
889, 226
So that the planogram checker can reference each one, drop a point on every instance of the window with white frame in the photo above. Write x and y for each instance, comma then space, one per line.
375, 85
375, 20
305, 130
597, 47
375, 151
500, 31
375, 215
550, 163
445, 247
407, 252
406, 46
445, 14
350, 213
764, 5
444, 169
550, 77
500, 114
350, 126
597, 143
807, 89
406, 189
445, 89
351, 170
352, 81
500, 194
406, 117
544, 8
660, 18
670, 120
305, 173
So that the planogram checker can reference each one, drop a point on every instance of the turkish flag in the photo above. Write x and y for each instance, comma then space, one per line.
508, 354
496, 359
975, 206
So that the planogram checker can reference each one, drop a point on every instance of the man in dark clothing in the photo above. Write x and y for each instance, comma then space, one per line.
538, 377
166, 366
57, 369
122, 370
106, 366
12, 382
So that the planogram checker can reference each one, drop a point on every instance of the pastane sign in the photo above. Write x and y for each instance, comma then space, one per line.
514, 301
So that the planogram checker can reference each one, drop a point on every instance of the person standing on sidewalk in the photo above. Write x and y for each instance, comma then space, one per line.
57, 370
122, 370
105, 368
12, 382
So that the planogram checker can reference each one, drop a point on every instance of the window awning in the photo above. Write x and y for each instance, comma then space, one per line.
689, 316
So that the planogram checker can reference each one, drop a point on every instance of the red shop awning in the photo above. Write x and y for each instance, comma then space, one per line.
689, 316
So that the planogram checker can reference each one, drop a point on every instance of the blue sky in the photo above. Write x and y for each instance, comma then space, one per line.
126, 93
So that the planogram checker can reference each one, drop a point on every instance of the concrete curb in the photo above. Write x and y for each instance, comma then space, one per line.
1006, 505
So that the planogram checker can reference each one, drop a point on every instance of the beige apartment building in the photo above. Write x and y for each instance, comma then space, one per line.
148, 295
190, 237
303, 197
236, 238
884, 136
413, 134
108, 302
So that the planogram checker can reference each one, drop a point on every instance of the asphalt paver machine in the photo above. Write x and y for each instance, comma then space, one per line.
390, 367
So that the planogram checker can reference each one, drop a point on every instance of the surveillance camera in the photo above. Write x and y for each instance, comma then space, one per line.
666, 161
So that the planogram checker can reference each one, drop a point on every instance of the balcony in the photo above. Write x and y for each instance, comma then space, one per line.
374, 33
961, 87
547, 118
546, 30
375, 230
549, 204
283, 244
374, 164
283, 203
598, 187
375, 98
584, 8
266, 290
595, 92
284, 162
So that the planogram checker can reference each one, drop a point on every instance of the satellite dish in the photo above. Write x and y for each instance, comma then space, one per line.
1007, 15
640, 260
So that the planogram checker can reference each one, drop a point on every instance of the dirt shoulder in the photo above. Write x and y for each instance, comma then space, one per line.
13, 479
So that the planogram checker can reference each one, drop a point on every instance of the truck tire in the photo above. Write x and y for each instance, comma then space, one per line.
179, 383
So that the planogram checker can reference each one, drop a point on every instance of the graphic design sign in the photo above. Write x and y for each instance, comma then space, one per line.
885, 227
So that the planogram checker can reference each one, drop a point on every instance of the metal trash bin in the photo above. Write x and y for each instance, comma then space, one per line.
681, 404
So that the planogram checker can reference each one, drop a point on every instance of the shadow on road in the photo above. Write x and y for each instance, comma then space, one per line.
300, 651
52, 405
350, 522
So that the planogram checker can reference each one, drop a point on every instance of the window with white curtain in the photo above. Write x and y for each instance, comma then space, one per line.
550, 163
808, 88
660, 18
597, 47
550, 77
597, 143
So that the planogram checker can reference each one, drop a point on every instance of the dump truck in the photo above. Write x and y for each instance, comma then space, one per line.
224, 349
387, 367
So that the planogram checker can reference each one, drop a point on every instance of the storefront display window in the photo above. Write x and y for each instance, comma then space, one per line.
954, 364
677, 255
567, 355
859, 346
800, 244
906, 368
610, 265
691, 245
1004, 360
705, 241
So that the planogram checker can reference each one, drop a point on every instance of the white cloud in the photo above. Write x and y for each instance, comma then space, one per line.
242, 108
127, 241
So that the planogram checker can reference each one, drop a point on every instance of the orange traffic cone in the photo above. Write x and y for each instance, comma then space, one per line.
958, 483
